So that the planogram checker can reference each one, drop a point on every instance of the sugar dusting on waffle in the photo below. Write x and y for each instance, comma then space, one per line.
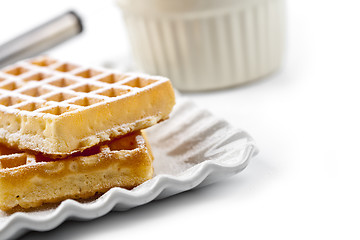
30, 180
59, 108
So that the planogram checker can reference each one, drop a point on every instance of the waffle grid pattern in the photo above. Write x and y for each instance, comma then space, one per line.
46, 85
11, 158
30, 180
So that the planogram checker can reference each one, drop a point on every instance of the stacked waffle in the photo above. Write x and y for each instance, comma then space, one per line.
72, 132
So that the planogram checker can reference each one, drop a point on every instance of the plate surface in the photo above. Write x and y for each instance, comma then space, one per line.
192, 149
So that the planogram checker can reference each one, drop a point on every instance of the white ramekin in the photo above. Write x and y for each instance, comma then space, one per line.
206, 44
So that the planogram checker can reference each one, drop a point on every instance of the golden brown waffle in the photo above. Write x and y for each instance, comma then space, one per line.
58, 108
30, 180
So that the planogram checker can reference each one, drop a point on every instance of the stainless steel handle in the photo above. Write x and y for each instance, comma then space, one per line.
41, 38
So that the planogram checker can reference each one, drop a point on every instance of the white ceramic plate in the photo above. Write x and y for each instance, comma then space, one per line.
192, 149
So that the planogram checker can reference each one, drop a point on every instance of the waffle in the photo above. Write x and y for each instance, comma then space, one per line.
58, 108
30, 180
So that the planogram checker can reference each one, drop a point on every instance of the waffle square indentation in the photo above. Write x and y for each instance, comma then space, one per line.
37, 77
58, 110
63, 82
16, 71
66, 67
36, 91
86, 88
113, 92
139, 82
89, 73
86, 101
11, 86
59, 97
113, 78
31, 106
10, 100
43, 62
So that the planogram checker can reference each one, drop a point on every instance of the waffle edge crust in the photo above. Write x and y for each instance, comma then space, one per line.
29, 181
58, 108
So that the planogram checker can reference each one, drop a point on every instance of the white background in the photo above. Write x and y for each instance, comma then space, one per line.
305, 182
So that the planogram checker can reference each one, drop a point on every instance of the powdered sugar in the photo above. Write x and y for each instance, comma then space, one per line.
58, 108
181, 163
